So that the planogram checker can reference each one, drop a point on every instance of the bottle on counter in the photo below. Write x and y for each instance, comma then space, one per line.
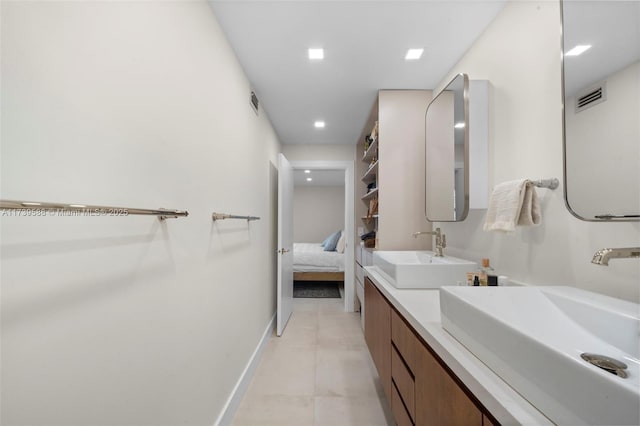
485, 271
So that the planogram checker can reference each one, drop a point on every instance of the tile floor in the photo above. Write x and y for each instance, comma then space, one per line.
318, 373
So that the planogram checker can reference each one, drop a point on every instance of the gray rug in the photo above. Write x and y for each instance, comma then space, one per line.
316, 289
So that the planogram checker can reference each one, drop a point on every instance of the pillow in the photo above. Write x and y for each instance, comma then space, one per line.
341, 244
333, 241
326, 240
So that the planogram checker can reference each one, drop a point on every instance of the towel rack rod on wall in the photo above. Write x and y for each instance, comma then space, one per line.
36, 208
552, 183
221, 216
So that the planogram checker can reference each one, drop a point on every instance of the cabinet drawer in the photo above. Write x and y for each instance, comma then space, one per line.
486, 421
441, 400
398, 409
359, 254
407, 343
360, 294
404, 382
360, 274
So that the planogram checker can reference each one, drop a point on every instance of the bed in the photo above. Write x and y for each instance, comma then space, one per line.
312, 263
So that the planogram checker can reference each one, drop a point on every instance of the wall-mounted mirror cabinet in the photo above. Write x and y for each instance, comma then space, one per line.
447, 153
456, 148
601, 88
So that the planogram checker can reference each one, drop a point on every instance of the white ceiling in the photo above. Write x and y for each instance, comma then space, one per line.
318, 178
364, 42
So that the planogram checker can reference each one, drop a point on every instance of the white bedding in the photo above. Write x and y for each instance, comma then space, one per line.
311, 257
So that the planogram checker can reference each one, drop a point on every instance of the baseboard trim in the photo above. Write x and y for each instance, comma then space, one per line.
232, 404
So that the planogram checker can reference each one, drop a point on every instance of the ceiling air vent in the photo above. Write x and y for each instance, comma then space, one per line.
592, 95
254, 102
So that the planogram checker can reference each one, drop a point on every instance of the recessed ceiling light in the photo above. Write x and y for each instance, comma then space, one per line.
307, 171
413, 54
319, 124
316, 53
579, 49
459, 126
309, 179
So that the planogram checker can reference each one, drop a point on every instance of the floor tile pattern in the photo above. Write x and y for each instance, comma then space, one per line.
319, 373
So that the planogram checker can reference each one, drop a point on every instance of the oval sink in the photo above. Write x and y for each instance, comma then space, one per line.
421, 269
572, 353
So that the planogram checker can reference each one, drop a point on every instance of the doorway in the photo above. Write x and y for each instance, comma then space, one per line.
346, 169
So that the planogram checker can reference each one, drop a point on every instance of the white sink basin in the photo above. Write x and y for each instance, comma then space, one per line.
533, 337
421, 269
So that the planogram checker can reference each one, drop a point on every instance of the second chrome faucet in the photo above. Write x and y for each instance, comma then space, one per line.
602, 256
441, 240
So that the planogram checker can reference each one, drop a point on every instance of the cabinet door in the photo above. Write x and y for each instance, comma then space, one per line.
439, 399
486, 421
377, 332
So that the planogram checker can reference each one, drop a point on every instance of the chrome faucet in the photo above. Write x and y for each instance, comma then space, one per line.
441, 240
602, 256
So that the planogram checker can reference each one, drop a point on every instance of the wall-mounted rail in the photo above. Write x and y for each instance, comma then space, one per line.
552, 183
35, 208
221, 216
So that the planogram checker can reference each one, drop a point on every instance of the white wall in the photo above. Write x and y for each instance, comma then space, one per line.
318, 211
127, 320
520, 55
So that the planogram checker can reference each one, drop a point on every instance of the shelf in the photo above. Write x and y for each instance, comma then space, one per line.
375, 216
369, 195
371, 152
370, 174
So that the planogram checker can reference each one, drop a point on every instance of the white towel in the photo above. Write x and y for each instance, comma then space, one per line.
512, 203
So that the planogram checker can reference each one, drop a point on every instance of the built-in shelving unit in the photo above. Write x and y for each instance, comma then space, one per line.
370, 178
369, 195
391, 170
391, 153
371, 152
371, 173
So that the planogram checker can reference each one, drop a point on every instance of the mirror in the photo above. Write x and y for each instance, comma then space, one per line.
601, 92
447, 153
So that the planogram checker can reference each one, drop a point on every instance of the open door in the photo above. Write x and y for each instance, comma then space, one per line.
285, 243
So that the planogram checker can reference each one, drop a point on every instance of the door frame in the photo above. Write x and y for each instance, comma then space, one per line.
284, 292
349, 220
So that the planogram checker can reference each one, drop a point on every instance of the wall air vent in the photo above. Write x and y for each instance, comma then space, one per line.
591, 96
254, 102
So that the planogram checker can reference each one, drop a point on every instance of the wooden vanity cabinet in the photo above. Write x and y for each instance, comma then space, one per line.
419, 387
377, 333
486, 421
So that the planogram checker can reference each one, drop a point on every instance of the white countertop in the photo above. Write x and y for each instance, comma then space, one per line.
421, 308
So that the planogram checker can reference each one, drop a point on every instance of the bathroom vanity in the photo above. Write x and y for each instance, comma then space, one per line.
428, 377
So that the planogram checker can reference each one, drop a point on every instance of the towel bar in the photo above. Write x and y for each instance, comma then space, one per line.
222, 216
34, 208
552, 183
